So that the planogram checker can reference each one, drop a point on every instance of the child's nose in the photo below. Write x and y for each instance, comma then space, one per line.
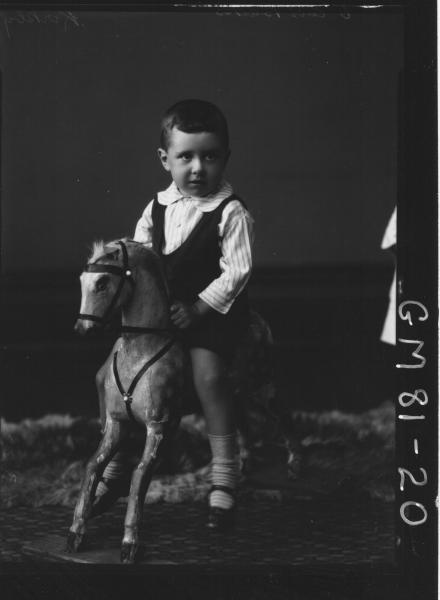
197, 165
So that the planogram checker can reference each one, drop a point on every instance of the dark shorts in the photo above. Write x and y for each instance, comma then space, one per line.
219, 333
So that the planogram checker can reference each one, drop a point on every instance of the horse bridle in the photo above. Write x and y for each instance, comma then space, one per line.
125, 274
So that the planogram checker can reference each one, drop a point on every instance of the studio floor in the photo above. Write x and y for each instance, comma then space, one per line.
323, 535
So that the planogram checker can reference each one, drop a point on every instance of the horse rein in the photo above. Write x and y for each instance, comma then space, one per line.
125, 274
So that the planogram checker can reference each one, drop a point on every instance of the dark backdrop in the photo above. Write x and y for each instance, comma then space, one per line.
312, 103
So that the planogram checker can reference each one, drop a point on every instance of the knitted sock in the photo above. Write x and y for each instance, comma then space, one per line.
224, 468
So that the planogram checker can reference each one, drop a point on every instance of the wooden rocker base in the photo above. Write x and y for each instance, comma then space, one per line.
53, 548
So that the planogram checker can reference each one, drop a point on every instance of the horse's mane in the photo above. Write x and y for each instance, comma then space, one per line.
101, 249
98, 251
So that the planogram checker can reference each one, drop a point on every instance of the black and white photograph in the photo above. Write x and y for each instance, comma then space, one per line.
218, 312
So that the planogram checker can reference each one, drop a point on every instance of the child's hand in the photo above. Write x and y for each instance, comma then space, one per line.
184, 315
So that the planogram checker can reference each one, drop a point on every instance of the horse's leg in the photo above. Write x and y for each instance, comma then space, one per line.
139, 484
100, 380
100, 388
112, 486
115, 487
112, 437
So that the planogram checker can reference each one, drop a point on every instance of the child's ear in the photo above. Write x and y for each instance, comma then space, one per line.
163, 157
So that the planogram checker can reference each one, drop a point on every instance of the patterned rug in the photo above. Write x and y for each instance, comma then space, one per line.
339, 454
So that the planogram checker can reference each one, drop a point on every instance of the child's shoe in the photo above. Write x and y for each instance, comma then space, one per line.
221, 519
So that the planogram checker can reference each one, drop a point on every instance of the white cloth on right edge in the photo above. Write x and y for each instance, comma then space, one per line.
389, 328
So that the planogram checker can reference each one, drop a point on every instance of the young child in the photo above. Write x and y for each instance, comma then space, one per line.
204, 235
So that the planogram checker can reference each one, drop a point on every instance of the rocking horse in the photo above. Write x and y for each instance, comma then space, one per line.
142, 382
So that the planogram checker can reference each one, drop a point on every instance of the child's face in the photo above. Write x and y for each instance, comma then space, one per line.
196, 161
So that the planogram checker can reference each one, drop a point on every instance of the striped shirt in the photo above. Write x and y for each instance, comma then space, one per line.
235, 230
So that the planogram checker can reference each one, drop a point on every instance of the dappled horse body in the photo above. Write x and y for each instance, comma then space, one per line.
142, 382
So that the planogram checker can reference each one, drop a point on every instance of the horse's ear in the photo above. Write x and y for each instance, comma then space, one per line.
111, 251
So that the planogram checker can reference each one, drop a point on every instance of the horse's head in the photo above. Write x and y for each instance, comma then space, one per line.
106, 284
122, 274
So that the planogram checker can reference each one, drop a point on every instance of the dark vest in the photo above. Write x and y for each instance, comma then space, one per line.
196, 263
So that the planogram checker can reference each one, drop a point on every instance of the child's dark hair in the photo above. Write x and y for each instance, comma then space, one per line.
194, 116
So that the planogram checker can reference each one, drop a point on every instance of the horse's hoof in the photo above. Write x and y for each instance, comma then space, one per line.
75, 542
128, 553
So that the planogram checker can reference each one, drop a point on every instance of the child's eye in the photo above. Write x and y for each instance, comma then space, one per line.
211, 157
186, 156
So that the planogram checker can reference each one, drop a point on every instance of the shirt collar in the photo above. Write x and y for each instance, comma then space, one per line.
204, 204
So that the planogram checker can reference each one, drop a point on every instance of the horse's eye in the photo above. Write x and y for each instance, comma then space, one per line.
102, 283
